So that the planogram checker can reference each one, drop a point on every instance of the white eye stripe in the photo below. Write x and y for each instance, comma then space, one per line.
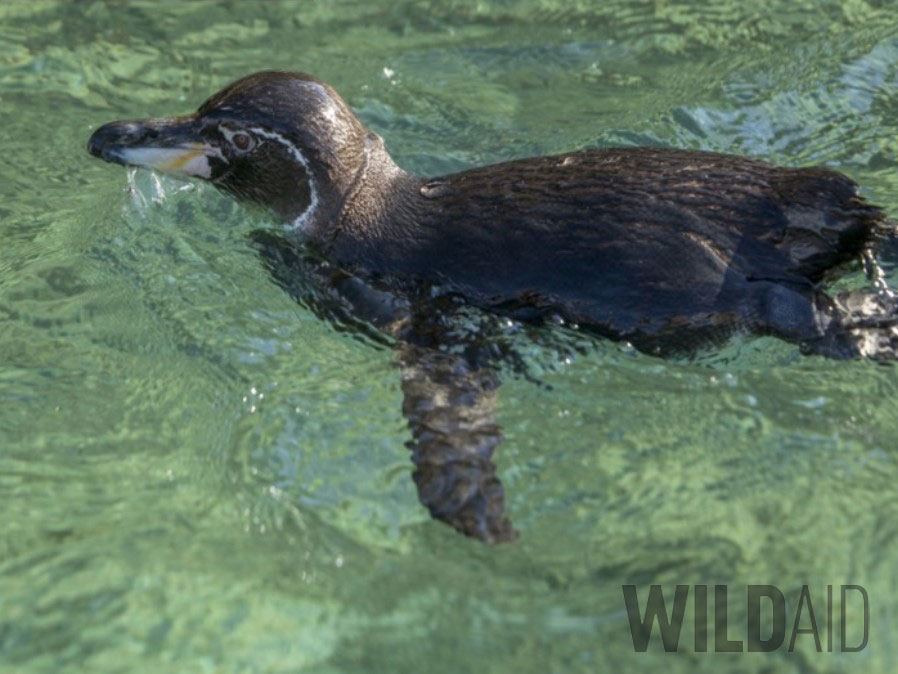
304, 220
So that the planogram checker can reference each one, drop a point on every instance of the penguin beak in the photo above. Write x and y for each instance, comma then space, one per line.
169, 145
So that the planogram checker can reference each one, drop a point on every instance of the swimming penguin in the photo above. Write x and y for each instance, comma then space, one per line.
670, 250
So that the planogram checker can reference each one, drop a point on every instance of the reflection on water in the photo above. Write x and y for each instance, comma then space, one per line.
200, 473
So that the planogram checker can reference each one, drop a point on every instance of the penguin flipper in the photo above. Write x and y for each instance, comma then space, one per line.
450, 408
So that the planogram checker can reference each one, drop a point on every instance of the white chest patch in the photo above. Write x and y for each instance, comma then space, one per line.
304, 220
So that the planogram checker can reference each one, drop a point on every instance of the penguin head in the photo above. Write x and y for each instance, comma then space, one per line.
284, 140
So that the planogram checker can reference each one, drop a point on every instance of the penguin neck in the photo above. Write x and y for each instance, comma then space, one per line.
378, 207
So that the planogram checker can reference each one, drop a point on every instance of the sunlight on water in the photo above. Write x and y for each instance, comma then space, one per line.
200, 474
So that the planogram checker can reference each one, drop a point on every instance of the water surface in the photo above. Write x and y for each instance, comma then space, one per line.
199, 475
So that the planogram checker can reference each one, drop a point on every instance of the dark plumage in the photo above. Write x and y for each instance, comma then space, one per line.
669, 249
660, 247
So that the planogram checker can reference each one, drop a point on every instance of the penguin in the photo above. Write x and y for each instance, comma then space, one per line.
673, 251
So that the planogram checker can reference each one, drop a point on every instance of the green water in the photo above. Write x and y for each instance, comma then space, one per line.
198, 475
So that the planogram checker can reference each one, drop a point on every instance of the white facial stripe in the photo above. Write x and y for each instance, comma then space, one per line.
304, 220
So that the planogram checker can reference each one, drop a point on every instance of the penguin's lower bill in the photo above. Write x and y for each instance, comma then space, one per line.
191, 161
169, 146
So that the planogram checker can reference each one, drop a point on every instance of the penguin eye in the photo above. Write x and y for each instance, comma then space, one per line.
242, 141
